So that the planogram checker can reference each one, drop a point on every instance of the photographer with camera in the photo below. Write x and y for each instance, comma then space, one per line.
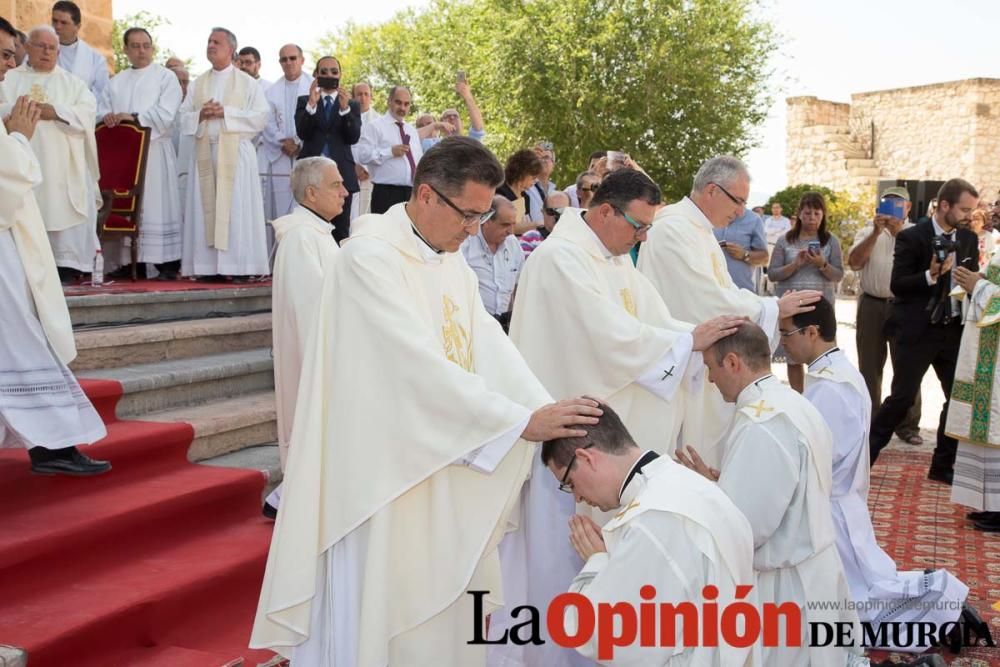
925, 318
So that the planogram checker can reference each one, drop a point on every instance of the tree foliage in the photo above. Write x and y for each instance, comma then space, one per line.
141, 19
671, 82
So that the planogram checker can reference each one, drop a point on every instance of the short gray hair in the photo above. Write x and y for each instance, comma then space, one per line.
308, 171
230, 36
722, 170
43, 28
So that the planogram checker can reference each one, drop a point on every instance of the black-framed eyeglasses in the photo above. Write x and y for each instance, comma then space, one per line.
638, 226
554, 212
564, 484
468, 218
586, 188
786, 334
287, 59
735, 200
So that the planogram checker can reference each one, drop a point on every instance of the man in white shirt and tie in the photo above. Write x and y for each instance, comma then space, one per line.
75, 55
390, 150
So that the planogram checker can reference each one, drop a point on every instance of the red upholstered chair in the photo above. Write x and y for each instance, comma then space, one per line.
121, 154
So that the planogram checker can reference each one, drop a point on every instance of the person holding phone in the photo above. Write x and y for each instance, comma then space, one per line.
807, 257
390, 150
328, 122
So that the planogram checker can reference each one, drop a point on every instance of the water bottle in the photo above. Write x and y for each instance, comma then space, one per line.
97, 277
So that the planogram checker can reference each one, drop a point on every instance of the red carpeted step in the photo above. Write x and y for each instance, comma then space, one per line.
157, 562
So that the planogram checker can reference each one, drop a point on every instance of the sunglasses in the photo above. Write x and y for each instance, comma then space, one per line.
287, 59
554, 212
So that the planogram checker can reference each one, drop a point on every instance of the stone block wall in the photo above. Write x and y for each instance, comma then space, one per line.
932, 132
96, 21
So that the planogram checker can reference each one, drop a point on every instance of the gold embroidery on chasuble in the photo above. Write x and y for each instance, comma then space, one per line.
628, 301
718, 272
38, 94
457, 344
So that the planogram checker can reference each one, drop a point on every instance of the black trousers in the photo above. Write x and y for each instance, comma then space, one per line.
385, 197
937, 348
342, 223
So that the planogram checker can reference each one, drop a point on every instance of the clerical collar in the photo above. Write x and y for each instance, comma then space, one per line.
646, 458
603, 248
824, 355
224, 70
752, 389
73, 43
426, 242
329, 222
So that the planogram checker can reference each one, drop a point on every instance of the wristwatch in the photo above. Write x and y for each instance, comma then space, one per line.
746, 255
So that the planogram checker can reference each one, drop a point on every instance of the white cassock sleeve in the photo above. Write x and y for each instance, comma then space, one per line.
981, 295
190, 123
78, 114
19, 172
160, 115
640, 558
250, 120
678, 363
758, 461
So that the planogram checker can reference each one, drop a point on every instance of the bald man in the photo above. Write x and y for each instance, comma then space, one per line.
495, 256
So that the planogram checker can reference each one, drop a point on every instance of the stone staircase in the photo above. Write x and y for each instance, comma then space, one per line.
836, 148
201, 357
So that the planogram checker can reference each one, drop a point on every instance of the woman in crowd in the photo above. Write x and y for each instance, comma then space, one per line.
807, 257
523, 167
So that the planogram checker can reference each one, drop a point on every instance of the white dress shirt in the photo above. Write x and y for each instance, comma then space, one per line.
497, 271
374, 151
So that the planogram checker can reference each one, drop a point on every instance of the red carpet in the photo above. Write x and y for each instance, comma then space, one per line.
919, 527
127, 286
157, 562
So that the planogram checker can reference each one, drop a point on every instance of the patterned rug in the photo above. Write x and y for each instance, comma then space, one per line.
919, 527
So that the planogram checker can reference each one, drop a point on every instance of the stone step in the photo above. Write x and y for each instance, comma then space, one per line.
118, 308
225, 426
163, 385
261, 457
114, 347
863, 163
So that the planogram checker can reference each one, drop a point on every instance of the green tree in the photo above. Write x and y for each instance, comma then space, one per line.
671, 82
141, 19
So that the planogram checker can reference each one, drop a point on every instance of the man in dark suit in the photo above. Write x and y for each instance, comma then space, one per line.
925, 318
328, 122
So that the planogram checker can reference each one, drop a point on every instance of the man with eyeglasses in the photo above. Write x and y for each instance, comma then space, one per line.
64, 144
42, 407
248, 60
778, 470
414, 433
390, 149
280, 145
581, 299
75, 55
684, 261
655, 500
150, 95
495, 256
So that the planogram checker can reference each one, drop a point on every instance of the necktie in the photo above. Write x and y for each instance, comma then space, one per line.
327, 108
405, 139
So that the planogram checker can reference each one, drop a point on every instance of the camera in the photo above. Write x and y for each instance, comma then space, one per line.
942, 247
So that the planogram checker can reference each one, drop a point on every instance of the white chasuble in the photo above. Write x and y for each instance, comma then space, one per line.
305, 245
404, 466
974, 410
276, 167
683, 260
884, 595
587, 323
778, 470
224, 230
155, 95
678, 532
68, 195
41, 403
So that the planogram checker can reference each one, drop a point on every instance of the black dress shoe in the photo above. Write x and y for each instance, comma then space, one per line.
944, 476
977, 516
269, 510
987, 526
74, 463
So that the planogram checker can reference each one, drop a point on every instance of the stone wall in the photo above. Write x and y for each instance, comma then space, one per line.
95, 27
932, 132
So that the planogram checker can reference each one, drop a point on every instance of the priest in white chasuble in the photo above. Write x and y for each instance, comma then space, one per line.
305, 246
64, 144
974, 411
683, 259
224, 230
838, 391
414, 432
778, 470
150, 95
42, 407
588, 323
279, 143
671, 529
